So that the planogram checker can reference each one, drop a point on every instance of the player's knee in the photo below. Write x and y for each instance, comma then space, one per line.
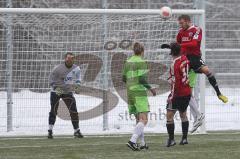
143, 117
183, 117
74, 116
170, 116
72, 107
205, 70
143, 120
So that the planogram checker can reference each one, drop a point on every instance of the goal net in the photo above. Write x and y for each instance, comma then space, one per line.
33, 41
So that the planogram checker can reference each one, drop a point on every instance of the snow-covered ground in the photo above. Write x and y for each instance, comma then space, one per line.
30, 114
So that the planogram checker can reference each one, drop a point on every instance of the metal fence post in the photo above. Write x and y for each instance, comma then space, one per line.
105, 70
9, 68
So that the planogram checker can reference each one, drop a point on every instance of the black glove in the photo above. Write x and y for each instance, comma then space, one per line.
165, 46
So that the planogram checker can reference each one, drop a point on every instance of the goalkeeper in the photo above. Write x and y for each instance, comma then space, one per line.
134, 75
64, 79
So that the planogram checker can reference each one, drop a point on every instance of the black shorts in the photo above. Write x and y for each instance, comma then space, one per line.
68, 99
196, 62
179, 103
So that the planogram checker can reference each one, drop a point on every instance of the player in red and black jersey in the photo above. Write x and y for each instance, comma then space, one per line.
180, 95
190, 37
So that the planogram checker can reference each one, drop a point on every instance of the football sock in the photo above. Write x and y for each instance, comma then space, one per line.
194, 108
213, 82
51, 118
137, 132
75, 130
142, 139
170, 128
185, 126
75, 124
50, 127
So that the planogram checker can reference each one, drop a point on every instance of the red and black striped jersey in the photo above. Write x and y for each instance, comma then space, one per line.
190, 40
178, 77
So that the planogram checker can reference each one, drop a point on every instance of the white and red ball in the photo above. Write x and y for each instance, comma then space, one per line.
166, 12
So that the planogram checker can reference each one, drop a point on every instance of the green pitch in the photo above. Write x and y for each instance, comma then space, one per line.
210, 146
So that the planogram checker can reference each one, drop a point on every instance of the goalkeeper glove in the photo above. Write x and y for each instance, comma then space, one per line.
58, 91
77, 87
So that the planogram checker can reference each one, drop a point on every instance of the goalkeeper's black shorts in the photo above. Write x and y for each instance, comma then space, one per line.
68, 99
196, 62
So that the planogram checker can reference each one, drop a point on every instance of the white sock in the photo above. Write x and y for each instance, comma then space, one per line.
50, 127
137, 132
194, 108
142, 139
75, 130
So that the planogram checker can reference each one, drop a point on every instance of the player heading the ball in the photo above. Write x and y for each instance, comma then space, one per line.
189, 37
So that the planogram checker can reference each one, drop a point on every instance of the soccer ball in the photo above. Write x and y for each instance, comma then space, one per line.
166, 12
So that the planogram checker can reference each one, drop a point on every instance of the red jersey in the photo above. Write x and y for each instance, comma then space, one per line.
179, 77
190, 40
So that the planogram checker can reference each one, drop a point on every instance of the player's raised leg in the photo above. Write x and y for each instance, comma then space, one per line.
198, 117
192, 76
194, 107
212, 80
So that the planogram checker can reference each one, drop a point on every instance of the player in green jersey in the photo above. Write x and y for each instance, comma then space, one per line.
134, 75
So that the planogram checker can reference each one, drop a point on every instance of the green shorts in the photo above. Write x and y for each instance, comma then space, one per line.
192, 76
137, 102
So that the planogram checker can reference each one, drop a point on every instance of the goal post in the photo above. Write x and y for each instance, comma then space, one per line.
101, 39
99, 11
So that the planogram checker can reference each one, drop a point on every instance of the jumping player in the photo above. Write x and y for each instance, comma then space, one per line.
189, 37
